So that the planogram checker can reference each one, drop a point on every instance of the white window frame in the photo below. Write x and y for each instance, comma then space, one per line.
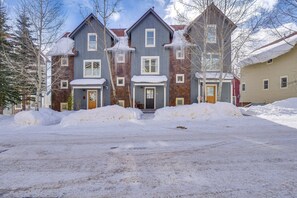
92, 76
181, 99
150, 30
207, 38
180, 52
120, 55
211, 55
180, 75
121, 103
264, 84
242, 87
61, 84
92, 34
150, 57
63, 103
67, 61
281, 82
119, 84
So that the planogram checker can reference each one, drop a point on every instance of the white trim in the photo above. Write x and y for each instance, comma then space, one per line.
120, 78
180, 52
92, 67
180, 75
179, 98
61, 84
67, 61
118, 55
149, 84
86, 87
121, 101
150, 30
133, 105
199, 90
281, 82
264, 84
145, 96
216, 91
63, 103
211, 26
88, 47
241, 85
165, 94
231, 94
88, 97
101, 97
150, 58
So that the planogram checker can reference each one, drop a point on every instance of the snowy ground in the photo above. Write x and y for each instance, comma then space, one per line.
238, 157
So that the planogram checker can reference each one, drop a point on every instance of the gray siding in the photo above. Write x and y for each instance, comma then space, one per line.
81, 42
80, 99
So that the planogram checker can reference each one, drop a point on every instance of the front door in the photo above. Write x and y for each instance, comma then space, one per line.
92, 99
211, 92
150, 98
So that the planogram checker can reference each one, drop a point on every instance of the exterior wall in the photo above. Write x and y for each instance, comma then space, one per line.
137, 41
81, 42
139, 96
226, 90
80, 98
180, 66
254, 75
61, 73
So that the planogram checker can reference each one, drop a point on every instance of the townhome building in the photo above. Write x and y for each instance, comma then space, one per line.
152, 64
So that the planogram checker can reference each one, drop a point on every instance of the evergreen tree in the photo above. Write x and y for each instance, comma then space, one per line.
9, 93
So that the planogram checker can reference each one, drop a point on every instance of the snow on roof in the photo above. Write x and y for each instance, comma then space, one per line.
63, 46
78, 82
214, 75
179, 40
149, 79
121, 45
271, 51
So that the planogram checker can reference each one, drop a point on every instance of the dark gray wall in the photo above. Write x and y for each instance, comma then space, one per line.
81, 42
80, 99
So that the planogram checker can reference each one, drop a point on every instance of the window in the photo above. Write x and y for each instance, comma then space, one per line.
284, 81
243, 87
150, 65
64, 61
211, 62
120, 81
270, 61
92, 42
64, 84
180, 54
180, 78
63, 106
121, 103
266, 84
18, 106
211, 33
92, 68
120, 57
179, 101
150, 37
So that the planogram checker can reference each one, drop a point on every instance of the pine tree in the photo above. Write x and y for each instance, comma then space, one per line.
9, 93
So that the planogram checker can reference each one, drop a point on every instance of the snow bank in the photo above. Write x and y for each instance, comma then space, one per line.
102, 114
42, 117
203, 111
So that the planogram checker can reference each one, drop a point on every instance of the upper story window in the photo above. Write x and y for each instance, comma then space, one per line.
270, 61
266, 84
180, 54
284, 82
150, 65
64, 61
92, 42
120, 57
243, 87
150, 37
211, 33
64, 84
211, 62
92, 68
180, 78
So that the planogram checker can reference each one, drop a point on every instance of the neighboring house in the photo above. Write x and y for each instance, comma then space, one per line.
151, 64
270, 73
236, 90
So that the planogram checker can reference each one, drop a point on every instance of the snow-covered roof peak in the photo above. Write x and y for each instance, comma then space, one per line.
62, 47
121, 45
179, 40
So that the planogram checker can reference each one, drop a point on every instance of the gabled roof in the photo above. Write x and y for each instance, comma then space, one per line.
119, 32
211, 6
150, 11
91, 16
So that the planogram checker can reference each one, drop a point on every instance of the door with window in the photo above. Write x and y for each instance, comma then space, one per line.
211, 93
149, 98
92, 99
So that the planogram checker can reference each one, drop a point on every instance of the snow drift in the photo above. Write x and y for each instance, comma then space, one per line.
203, 111
42, 117
102, 114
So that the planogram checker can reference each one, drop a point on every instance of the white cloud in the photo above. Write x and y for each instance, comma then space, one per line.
115, 16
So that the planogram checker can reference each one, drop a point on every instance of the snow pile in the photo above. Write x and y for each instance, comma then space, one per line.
85, 81
102, 114
214, 75
121, 45
179, 40
62, 47
203, 111
42, 117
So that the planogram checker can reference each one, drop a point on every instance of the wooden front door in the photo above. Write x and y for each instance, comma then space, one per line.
211, 93
92, 99
149, 98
